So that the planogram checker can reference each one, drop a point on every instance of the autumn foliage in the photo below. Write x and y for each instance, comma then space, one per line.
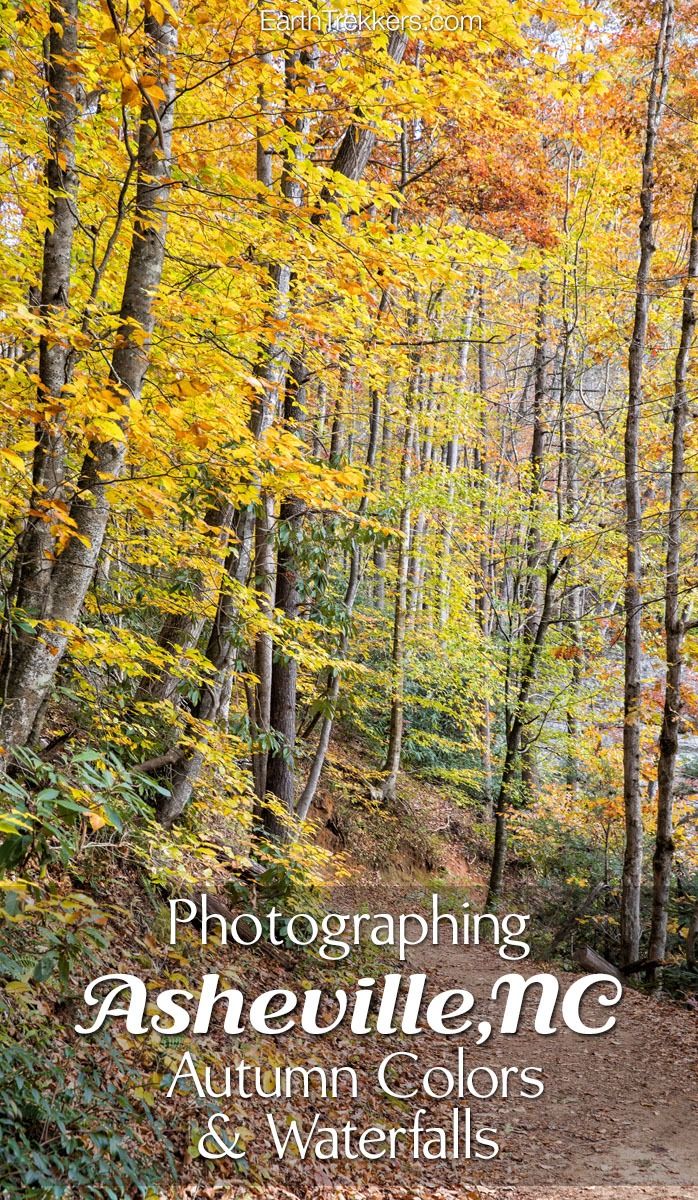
317, 419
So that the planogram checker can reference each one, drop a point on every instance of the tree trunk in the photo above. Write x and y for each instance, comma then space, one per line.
575, 599
277, 672
692, 940
221, 653
353, 582
513, 738
280, 778
270, 368
355, 149
532, 598
380, 554
483, 600
673, 620
451, 464
630, 916
37, 544
34, 668
265, 583
397, 704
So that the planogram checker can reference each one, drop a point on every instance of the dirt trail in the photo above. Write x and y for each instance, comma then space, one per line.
619, 1116
619, 1110
618, 1119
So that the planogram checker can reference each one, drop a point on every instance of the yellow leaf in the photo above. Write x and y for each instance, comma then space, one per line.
108, 430
15, 459
129, 91
170, 11
156, 93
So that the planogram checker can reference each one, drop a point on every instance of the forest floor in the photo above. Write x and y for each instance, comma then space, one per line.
619, 1116
618, 1119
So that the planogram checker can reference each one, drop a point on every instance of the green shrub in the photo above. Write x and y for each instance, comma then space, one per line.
68, 1130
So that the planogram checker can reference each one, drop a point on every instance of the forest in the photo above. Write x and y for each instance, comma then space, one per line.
348, 517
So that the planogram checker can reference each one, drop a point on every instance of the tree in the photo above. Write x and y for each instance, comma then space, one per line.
632, 866
35, 658
675, 620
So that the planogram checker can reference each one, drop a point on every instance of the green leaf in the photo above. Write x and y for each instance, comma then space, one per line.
45, 966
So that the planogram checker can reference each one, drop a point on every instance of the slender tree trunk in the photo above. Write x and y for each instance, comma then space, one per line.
355, 570
320, 421
500, 813
423, 467
674, 623
483, 601
397, 703
33, 670
513, 737
380, 555
451, 464
221, 653
630, 915
575, 599
343, 404
280, 780
415, 567
270, 369
277, 672
532, 598
265, 583
48, 473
